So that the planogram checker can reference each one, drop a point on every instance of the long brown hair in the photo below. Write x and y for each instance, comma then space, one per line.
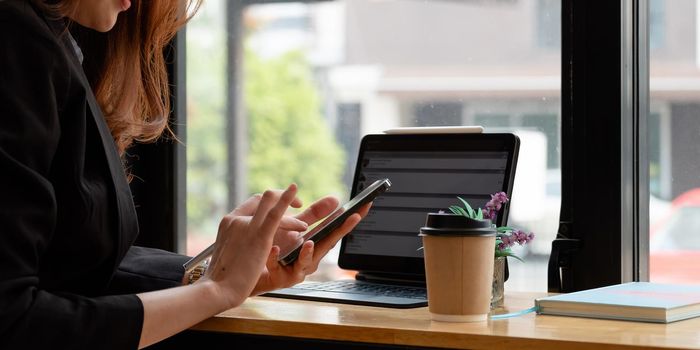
126, 66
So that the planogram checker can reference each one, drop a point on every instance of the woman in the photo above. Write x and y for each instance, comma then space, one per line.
69, 277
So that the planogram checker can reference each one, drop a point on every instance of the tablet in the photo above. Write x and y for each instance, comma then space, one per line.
335, 219
428, 172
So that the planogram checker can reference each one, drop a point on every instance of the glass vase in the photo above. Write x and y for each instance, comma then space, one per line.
499, 267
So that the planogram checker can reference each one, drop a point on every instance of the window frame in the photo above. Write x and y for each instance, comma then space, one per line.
603, 234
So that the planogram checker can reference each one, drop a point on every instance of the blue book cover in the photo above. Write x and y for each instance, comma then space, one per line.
635, 301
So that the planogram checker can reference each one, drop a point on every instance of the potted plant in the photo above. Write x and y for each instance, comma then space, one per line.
506, 238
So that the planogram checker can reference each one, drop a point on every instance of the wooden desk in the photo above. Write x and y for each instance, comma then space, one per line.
293, 319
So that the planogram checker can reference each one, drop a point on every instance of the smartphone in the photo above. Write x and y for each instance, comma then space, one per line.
335, 219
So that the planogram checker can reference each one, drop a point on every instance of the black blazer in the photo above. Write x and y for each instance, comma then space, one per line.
67, 219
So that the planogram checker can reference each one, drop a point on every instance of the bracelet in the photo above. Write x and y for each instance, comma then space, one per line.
197, 272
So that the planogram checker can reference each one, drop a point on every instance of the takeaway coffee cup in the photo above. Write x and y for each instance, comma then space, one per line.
458, 266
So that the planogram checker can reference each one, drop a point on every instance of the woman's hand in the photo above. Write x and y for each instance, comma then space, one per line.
276, 276
244, 242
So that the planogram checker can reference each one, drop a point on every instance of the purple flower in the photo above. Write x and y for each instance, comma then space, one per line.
508, 240
514, 237
495, 204
500, 197
505, 239
519, 236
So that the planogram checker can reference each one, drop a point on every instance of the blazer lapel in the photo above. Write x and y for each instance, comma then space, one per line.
127, 220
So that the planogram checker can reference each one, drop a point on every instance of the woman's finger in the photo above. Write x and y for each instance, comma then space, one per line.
318, 210
291, 223
272, 260
365, 209
271, 210
250, 205
303, 265
287, 240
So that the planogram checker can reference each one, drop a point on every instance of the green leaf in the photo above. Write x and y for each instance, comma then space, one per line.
507, 253
458, 210
479, 215
504, 229
471, 212
515, 256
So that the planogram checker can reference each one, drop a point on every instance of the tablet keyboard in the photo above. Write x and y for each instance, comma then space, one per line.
366, 288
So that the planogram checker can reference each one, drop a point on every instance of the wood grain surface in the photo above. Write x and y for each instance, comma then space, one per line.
328, 321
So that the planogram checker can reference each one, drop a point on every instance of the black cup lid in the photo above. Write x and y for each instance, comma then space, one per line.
448, 224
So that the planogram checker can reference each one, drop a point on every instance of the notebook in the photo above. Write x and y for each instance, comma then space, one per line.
428, 172
634, 301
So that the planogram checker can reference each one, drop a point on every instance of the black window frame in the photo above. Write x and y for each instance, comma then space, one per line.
603, 233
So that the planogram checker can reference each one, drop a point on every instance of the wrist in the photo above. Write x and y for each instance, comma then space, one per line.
220, 295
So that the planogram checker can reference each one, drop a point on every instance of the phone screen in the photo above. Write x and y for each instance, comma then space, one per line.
289, 254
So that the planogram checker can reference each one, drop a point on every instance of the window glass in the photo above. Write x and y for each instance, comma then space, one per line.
674, 151
206, 124
315, 77
549, 24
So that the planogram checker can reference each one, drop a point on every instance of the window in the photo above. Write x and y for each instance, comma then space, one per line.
657, 24
437, 114
549, 24
674, 153
549, 126
347, 132
494, 121
207, 199
305, 81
